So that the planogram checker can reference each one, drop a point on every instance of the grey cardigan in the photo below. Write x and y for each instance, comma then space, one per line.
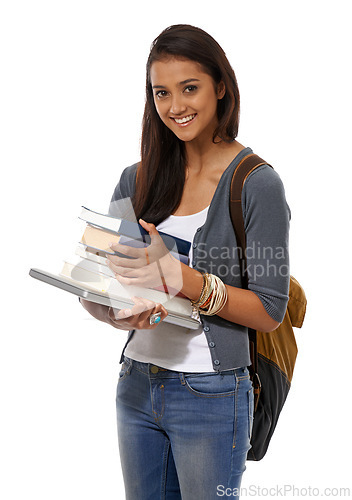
266, 216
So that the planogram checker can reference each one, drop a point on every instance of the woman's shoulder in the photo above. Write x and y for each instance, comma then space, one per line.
263, 178
126, 185
120, 204
128, 176
264, 188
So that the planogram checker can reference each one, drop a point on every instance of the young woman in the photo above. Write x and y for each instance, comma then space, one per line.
184, 397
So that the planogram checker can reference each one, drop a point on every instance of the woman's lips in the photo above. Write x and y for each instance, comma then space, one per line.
185, 124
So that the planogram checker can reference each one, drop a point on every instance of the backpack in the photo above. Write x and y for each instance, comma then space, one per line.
273, 354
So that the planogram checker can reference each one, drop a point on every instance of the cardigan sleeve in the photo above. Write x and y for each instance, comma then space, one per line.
267, 218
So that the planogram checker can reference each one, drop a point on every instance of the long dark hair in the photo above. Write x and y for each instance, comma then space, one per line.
161, 172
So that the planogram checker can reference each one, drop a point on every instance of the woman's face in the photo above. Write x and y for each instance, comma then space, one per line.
186, 98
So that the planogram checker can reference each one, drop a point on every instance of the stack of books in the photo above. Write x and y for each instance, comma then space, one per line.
90, 266
87, 274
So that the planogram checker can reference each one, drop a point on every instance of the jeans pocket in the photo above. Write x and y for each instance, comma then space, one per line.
211, 385
250, 396
125, 369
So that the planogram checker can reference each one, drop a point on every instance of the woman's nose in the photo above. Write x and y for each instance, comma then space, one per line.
177, 105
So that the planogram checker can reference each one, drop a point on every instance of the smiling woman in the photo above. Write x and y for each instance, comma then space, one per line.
185, 398
184, 66
187, 110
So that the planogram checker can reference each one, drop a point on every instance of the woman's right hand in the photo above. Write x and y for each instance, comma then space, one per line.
137, 317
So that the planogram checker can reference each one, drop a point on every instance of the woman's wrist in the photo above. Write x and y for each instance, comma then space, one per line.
213, 295
192, 282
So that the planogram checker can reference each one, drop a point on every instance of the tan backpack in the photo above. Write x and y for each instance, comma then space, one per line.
273, 354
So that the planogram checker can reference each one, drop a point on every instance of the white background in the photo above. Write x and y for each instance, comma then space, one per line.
72, 95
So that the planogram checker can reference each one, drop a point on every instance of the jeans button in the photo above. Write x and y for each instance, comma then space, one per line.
154, 369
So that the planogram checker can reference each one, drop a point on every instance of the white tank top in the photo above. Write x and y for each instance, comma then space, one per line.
170, 346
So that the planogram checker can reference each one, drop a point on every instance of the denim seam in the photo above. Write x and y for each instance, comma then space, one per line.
166, 452
250, 413
206, 395
235, 419
152, 401
157, 417
140, 371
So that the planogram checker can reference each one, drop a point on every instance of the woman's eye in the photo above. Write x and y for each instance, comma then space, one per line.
190, 88
161, 93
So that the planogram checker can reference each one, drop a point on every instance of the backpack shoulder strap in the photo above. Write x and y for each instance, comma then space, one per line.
246, 166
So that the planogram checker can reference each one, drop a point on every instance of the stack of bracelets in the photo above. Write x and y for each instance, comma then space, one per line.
213, 296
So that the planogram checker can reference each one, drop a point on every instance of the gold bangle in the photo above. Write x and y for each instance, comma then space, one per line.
218, 297
196, 302
207, 292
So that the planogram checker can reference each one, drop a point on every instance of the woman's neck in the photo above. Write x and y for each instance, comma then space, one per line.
201, 157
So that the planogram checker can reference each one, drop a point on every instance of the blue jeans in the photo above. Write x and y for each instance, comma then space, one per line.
182, 435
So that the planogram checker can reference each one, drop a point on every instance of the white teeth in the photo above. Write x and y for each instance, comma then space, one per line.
185, 119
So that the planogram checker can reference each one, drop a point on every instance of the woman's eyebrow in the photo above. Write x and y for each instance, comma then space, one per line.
189, 80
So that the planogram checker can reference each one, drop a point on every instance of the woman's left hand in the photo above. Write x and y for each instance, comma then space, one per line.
149, 267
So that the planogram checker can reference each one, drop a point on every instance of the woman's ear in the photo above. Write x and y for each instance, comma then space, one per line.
221, 90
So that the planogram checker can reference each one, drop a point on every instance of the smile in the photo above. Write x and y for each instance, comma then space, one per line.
185, 121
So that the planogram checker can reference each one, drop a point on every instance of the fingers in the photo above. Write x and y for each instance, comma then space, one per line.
135, 257
140, 306
146, 277
138, 316
126, 272
152, 230
149, 227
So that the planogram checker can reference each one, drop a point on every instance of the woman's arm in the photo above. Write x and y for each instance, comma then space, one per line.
243, 306
98, 311
266, 218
